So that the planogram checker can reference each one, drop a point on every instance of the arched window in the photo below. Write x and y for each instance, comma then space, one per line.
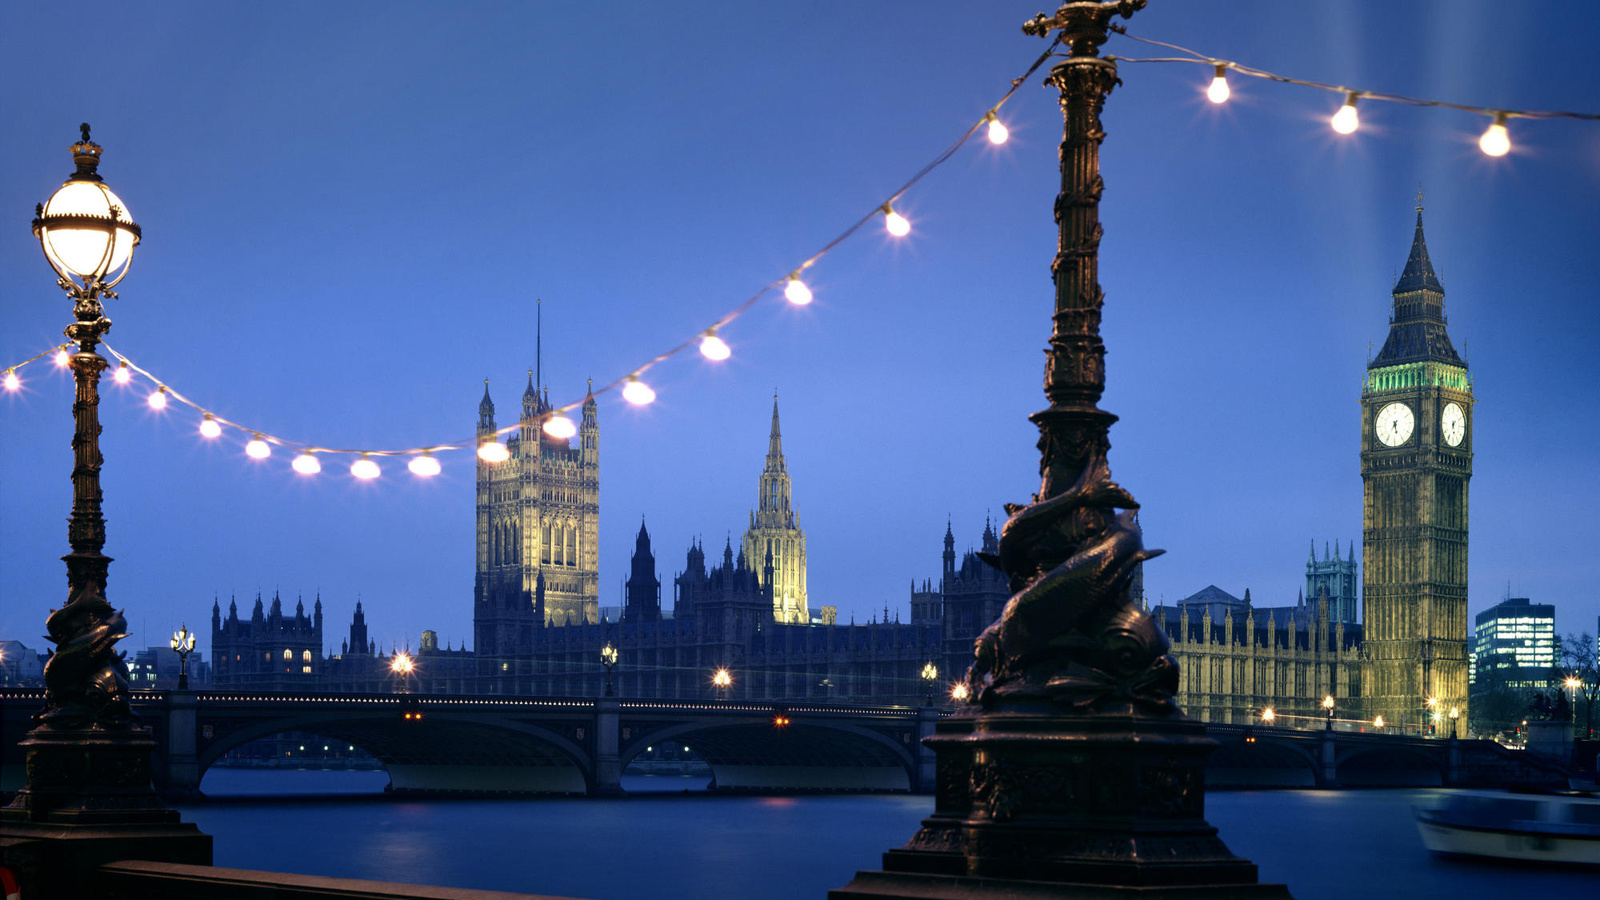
306, 656
288, 654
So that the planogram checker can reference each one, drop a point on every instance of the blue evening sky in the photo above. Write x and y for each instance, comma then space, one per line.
350, 209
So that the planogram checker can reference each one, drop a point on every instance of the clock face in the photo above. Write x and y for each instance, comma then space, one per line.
1394, 424
1453, 424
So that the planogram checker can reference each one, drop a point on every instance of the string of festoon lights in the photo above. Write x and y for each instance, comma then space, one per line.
423, 461
1495, 141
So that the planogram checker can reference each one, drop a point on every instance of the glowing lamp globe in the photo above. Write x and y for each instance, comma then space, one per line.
123, 374
1218, 91
257, 448
12, 382
1496, 141
492, 451
559, 426
85, 229
306, 464
1345, 120
898, 225
637, 392
364, 469
796, 292
998, 132
209, 427
158, 400
423, 466
714, 348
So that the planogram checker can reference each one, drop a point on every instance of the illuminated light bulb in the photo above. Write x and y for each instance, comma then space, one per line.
257, 448
63, 358
1218, 92
423, 466
364, 468
306, 464
1345, 120
998, 132
637, 392
897, 224
1496, 141
158, 400
12, 382
796, 292
713, 347
492, 451
123, 374
209, 427
559, 426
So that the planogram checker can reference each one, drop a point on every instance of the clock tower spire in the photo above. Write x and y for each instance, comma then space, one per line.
1416, 460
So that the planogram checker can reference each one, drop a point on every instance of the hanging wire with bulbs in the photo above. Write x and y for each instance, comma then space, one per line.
423, 461
1495, 141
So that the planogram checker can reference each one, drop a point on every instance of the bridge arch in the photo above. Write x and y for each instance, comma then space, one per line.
751, 753
442, 751
1389, 766
1263, 762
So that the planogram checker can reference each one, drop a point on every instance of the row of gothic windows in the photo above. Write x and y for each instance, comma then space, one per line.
560, 545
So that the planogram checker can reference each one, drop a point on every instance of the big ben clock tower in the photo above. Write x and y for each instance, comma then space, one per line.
1416, 459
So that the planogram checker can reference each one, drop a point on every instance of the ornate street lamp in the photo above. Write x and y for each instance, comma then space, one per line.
402, 666
183, 642
1327, 704
1455, 713
1073, 685
722, 680
608, 658
88, 238
89, 762
1268, 716
930, 674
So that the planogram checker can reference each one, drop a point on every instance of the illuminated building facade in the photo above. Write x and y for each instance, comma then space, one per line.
538, 528
1515, 641
1416, 460
774, 530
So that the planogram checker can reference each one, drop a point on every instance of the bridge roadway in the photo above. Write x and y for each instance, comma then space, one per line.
433, 742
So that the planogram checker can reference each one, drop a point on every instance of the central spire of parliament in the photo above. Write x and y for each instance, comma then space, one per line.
775, 536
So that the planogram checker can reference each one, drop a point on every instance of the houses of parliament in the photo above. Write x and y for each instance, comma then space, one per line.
538, 626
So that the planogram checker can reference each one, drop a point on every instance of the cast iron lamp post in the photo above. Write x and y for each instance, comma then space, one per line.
88, 796
608, 658
1070, 767
1455, 714
930, 674
183, 642
722, 679
1327, 704
402, 666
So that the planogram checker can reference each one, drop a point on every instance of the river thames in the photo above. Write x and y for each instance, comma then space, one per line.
661, 843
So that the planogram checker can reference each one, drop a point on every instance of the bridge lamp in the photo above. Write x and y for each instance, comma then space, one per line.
930, 674
1327, 704
722, 679
960, 693
183, 642
608, 658
1455, 713
1267, 715
1378, 723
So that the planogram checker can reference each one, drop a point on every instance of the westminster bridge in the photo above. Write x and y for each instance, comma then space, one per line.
435, 742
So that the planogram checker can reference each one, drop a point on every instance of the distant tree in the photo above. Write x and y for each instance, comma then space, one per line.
1494, 705
1578, 660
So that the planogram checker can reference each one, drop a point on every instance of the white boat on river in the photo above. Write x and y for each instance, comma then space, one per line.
1543, 828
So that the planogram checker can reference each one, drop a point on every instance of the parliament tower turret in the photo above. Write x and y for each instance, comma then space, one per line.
1416, 459
774, 530
538, 527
